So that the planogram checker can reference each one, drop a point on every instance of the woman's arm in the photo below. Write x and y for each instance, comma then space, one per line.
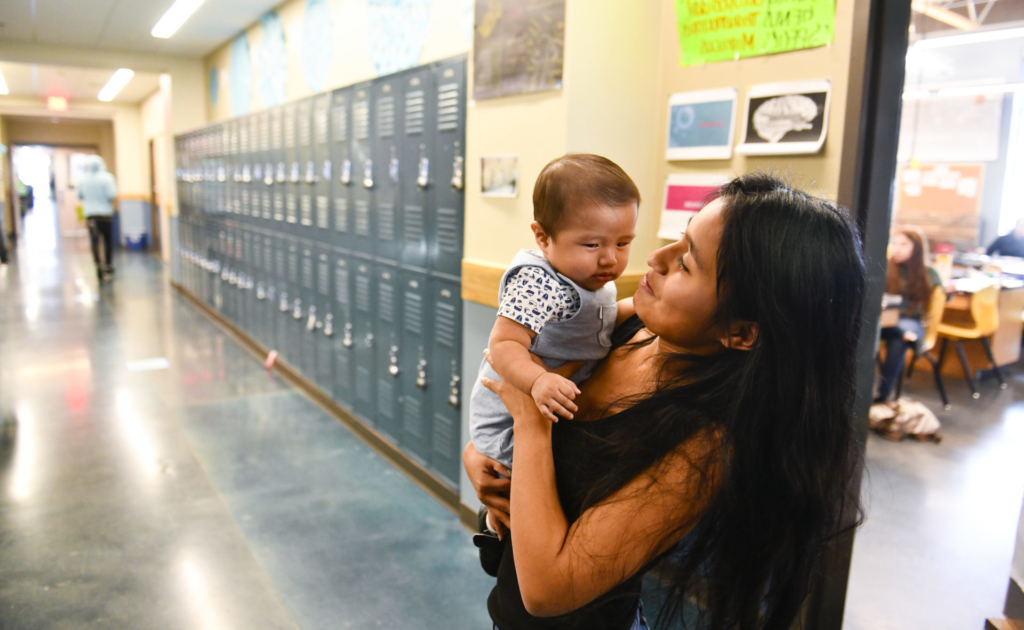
561, 567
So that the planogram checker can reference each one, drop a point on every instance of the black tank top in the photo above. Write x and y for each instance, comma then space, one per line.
574, 467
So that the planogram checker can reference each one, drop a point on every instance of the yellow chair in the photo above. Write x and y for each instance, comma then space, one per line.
985, 313
931, 335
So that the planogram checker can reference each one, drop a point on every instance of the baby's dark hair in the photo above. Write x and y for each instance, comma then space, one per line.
576, 181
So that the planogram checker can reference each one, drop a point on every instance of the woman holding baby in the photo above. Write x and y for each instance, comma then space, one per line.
716, 431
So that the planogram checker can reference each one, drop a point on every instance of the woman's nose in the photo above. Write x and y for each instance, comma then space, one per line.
655, 260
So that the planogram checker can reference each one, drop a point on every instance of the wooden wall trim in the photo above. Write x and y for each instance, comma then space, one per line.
480, 281
133, 197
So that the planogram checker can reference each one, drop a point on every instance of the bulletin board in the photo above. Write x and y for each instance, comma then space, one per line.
942, 200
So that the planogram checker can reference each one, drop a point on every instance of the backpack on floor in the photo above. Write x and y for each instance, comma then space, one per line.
904, 418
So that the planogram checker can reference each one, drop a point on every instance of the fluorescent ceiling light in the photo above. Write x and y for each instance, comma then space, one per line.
115, 84
970, 38
3, 84
175, 17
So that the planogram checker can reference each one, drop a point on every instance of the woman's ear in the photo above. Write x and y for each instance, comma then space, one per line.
542, 237
741, 335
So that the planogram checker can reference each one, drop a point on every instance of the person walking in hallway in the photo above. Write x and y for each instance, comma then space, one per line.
96, 190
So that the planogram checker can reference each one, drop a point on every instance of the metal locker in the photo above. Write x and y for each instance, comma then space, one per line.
268, 309
387, 339
217, 269
307, 173
234, 170
223, 176
416, 164
365, 171
344, 335
291, 196
311, 314
257, 288
446, 375
250, 246
283, 188
323, 176
344, 170
283, 313
385, 200
242, 256
363, 301
324, 327
263, 172
296, 307
416, 365
449, 157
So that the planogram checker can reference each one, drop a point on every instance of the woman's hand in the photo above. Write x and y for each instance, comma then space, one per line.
491, 482
521, 406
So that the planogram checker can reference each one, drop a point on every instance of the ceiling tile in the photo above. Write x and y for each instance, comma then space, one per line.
71, 23
16, 16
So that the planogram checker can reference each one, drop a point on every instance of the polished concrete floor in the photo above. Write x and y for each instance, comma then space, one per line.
207, 494
210, 494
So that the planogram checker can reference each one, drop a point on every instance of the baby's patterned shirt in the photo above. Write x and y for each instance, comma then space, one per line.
533, 298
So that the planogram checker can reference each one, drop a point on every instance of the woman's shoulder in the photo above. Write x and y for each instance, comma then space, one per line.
934, 278
627, 331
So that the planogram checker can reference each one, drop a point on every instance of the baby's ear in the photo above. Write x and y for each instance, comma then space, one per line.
542, 237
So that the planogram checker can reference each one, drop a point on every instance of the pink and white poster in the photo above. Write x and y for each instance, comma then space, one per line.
685, 195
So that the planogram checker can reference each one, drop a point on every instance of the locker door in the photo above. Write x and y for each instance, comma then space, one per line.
344, 337
291, 194
258, 291
269, 310
219, 272
282, 317
387, 337
324, 168
445, 374
291, 346
344, 169
245, 295
223, 165
325, 330
279, 176
417, 177
311, 314
234, 169
307, 175
415, 364
265, 180
365, 173
449, 155
387, 94
365, 313
245, 142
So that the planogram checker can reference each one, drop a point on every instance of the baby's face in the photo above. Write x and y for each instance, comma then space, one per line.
592, 248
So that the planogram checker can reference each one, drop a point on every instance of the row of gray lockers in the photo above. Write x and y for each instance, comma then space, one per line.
330, 229
383, 341
376, 168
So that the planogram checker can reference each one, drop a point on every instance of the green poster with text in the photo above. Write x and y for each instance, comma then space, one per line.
717, 30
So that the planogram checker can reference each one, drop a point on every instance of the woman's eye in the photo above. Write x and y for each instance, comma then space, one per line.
683, 265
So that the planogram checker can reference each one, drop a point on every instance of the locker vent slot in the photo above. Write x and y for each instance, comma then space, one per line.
268, 258
414, 313
323, 278
289, 129
266, 206
341, 214
444, 436
448, 107
363, 383
290, 210
264, 134
414, 231
280, 263
322, 213
386, 397
412, 422
386, 308
304, 126
362, 217
245, 201
293, 267
275, 130
340, 120
444, 324
243, 138
307, 210
386, 221
320, 125
341, 285
307, 272
363, 293
278, 207
257, 251
361, 116
448, 230
415, 123
386, 117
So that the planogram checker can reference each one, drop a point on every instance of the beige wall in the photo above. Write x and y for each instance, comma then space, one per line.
68, 133
350, 59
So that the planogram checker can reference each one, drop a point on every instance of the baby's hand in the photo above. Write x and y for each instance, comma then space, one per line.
554, 394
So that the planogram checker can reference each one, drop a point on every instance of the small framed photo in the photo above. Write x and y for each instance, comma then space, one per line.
700, 125
499, 176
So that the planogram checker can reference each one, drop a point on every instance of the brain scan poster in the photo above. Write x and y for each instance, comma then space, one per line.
786, 118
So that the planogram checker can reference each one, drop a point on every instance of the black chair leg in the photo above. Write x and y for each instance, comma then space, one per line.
910, 368
967, 370
905, 374
938, 381
992, 360
942, 350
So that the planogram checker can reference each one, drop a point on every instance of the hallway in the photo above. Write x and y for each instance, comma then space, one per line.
153, 475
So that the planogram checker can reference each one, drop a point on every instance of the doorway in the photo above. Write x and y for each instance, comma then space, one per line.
154, 199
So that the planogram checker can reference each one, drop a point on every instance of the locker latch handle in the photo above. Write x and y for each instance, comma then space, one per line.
311, 321
297, 309
283, 304
423, 177
421, 374
328, 325
326, 172
368, 174
346, 340
268, 175
310, 172
393, 361
393, 168
294, 175
457, 179
453, 398
346, 172
369, 340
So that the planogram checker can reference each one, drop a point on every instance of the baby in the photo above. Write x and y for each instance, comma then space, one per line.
558, 303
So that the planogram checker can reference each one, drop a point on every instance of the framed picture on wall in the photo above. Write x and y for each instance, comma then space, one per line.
786, 118
499, 176
700, 125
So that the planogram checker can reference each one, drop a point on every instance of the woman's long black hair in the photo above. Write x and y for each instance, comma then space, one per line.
778, 489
